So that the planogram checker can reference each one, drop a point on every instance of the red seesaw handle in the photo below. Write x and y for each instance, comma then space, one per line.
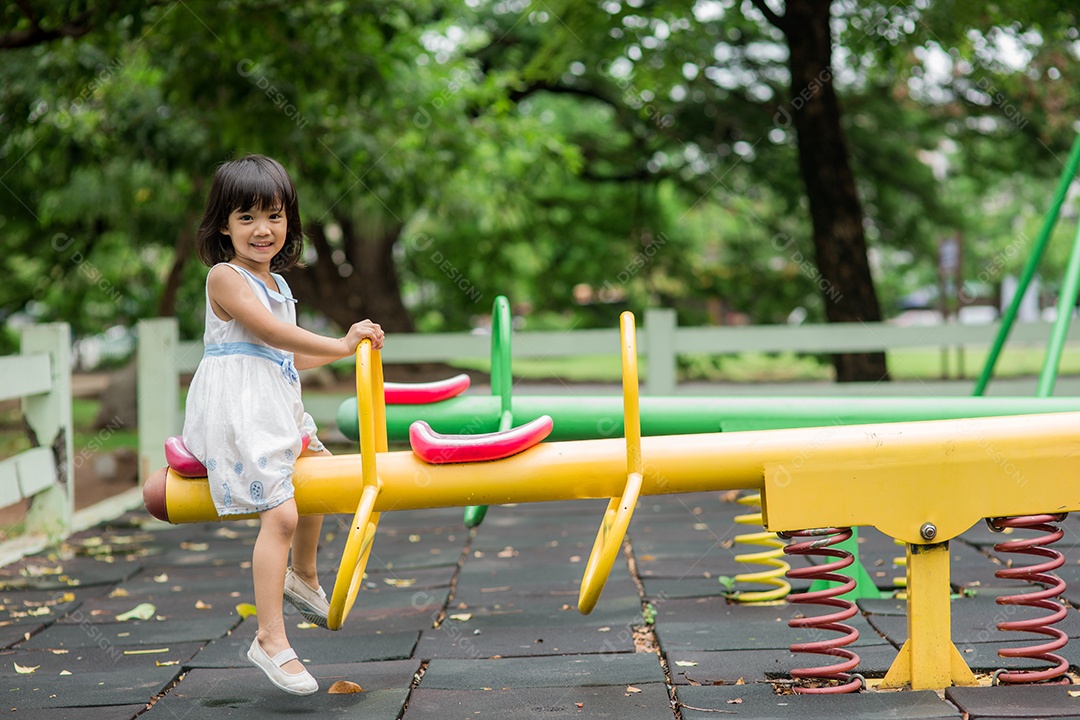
423, 393
438, 449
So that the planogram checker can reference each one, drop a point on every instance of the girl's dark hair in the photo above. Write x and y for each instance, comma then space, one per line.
251, 181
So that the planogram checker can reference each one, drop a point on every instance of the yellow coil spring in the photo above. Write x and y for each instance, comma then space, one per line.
771, 558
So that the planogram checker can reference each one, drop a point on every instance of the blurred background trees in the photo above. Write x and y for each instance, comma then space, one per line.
739, 161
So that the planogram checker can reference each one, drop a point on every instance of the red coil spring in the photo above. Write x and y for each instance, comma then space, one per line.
821, 542
1053, 586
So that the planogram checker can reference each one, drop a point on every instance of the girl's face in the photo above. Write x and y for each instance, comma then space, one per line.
257, 235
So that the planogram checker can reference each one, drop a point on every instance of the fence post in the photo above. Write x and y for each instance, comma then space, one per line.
660, 326
157, 390
48, 419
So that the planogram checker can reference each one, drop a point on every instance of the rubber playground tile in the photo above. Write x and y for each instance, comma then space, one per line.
43, 573
134, 632
418, 579
1017, 701
167, 604
496, 592
89, 689
95, 659
566, 555
20, 631
730, 666
975, 619
455, 639
759, 701
715, 609
101, 712
563, 671
552, 612
649, 702
313, 645
667, 588
246, 693
215, 579
752, 634
511, 572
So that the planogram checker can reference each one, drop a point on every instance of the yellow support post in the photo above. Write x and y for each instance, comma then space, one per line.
928, 660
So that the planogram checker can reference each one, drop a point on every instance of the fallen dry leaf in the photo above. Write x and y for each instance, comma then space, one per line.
632, 689
344, 687
685, 663
200, 605
735, 701
245, 610
166, 663
142, 611
25, 669
65, 672
580, 705
400, 582
1074, 693
461, 616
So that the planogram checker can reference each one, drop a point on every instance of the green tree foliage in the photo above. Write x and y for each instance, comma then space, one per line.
582, 158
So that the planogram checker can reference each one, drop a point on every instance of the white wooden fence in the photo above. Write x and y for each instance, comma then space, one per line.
40, 376
162, 357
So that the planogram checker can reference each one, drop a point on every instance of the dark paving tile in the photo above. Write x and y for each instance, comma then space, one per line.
246, 693
553, 612
564, 671
89, 689
158, 578
135, 632
102, 712
650, 703
313, 645
759, 701
38, 572
168, 604
743, 634
728, 667
974, 620
1044, 701
95, 659
507, 594
465, 640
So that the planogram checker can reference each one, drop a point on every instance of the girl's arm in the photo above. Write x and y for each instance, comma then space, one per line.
232, 298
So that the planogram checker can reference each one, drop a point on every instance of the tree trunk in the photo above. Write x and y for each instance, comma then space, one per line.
835, 210
356, 281
185, 246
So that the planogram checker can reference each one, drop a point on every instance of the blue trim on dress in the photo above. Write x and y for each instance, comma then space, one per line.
281, 359
272, 294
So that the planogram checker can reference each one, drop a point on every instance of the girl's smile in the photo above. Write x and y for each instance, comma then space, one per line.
257, 235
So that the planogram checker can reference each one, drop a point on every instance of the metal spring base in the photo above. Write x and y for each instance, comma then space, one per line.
820, 542
1053, 586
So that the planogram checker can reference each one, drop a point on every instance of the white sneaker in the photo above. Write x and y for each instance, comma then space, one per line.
312, 604
300, 683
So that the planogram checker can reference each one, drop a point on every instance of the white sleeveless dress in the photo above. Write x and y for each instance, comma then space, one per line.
244, 417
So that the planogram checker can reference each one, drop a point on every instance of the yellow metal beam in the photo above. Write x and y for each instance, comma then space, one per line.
928, 660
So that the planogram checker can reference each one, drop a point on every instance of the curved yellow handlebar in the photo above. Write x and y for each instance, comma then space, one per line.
371, 410
617, 516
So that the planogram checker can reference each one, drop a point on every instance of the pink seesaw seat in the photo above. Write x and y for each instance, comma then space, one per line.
184, 464
439, 449
423, 393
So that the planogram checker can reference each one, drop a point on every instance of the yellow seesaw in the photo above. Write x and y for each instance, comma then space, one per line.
920, 482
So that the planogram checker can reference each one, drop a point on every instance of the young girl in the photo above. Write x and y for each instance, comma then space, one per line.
245, 419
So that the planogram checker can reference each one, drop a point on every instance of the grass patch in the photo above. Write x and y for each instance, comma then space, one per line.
13, 439
916, 364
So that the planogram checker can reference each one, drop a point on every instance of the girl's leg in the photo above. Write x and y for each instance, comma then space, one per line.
276, 530
305, 543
